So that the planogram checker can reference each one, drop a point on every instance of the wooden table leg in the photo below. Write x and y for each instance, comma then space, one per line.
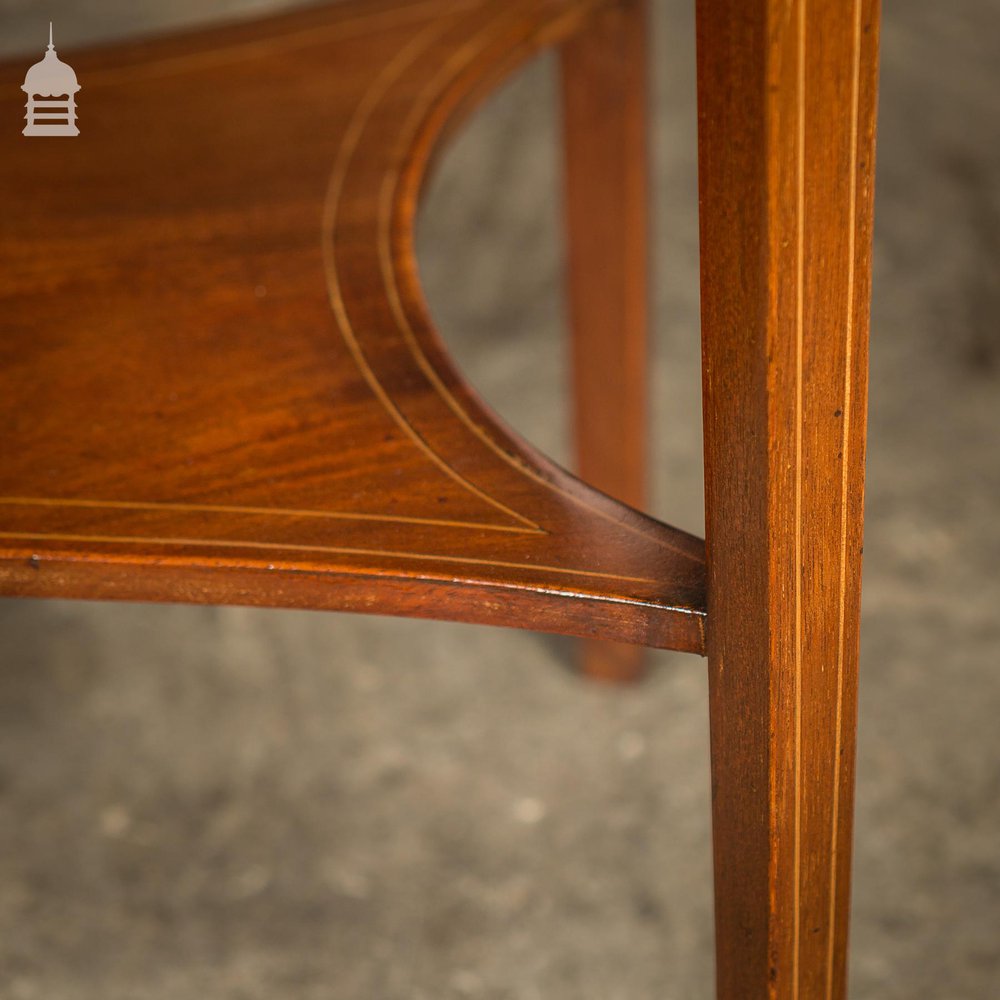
604, 123
786, 144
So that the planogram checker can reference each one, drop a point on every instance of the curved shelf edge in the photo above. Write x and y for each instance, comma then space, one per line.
114, 576
646, 586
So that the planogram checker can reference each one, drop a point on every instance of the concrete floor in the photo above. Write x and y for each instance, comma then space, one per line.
201, 802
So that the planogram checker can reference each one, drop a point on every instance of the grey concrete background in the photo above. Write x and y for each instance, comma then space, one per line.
200, 802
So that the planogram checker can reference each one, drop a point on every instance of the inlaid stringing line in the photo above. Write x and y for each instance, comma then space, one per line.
845, 446
799, 307
390, 184
362, 113
371, 98
153, 505
387, 199
333, 549
337, 31
303, 38
358, 25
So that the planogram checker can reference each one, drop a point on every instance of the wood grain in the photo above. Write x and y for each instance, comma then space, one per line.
219, 382
218, 378
786, 145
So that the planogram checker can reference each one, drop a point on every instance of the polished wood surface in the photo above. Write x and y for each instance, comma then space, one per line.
604, 90
218, 379
786, 137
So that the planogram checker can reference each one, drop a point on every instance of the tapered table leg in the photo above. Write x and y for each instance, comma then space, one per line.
786, 141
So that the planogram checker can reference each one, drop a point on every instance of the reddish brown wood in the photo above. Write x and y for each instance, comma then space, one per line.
786, 141
219, 382
604, 127
218, 379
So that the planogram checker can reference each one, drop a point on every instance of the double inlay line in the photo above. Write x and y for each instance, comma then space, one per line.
225, 55
355, 26
391, 195
846, 416
446, 16
396, 66
388, 197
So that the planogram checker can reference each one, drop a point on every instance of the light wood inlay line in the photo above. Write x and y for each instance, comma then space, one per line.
354, 27
391, 185
845, 460
389, 196
363, 112
154, 505
335, 458
257, 49
328, 549
799, 334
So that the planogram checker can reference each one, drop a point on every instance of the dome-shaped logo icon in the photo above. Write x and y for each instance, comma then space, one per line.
51, 87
